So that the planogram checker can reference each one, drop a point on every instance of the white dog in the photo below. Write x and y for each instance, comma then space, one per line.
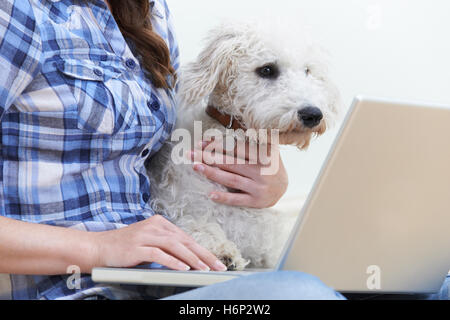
252, 77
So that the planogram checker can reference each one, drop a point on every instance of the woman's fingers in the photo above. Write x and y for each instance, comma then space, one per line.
229, 164
233, 181
207, 257
155, 255
250, 152
225, 178
184, 247
234, 199
189, 252
180, 251
262, 183
240, 150
210, 259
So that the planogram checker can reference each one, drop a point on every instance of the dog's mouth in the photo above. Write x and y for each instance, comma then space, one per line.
295, 135
301, 136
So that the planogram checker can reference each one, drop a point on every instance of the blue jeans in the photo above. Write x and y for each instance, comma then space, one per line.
282, 285
285, 285
444, 293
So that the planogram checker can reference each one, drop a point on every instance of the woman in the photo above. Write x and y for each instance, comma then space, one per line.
86, 97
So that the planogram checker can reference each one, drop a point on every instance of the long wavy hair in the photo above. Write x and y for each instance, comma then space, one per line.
133, 18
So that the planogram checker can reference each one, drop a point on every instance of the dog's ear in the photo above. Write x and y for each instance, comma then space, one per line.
214, 65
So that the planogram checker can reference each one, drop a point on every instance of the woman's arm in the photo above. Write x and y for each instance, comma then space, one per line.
27, 248
34, 249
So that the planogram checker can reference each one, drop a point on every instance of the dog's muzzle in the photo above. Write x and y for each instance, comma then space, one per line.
310, 116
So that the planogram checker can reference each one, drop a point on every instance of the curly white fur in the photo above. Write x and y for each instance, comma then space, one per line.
224, 76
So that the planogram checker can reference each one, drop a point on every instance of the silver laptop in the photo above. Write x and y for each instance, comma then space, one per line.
378, 217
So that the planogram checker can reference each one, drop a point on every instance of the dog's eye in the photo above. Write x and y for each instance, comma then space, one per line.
307, 71
269, 71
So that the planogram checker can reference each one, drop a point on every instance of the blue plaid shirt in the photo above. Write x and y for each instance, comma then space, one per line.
79, 119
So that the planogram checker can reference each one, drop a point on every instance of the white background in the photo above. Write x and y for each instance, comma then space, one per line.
388, 48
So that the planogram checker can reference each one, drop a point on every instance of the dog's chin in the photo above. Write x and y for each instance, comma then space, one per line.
301, 136
295, 135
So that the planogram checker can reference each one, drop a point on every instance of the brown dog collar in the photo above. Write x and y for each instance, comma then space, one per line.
228, 121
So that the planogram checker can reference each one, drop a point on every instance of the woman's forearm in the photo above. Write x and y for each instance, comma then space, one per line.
32, 249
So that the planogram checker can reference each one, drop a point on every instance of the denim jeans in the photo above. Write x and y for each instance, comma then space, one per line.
282, 285
444, 293
289, 286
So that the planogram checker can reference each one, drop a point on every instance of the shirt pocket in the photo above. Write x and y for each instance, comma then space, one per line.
99, 94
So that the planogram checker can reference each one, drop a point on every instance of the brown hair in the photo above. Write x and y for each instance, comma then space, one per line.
133, 18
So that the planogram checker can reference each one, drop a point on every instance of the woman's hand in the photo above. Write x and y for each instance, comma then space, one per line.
153, 240
255, 190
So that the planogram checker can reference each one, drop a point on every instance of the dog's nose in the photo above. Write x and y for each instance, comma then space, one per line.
310, 116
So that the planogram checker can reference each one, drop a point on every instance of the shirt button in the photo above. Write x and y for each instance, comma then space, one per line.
130, 63
146, 197
98, 72
145, 153
155, 106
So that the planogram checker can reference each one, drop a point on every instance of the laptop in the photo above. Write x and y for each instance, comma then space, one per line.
378, 217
